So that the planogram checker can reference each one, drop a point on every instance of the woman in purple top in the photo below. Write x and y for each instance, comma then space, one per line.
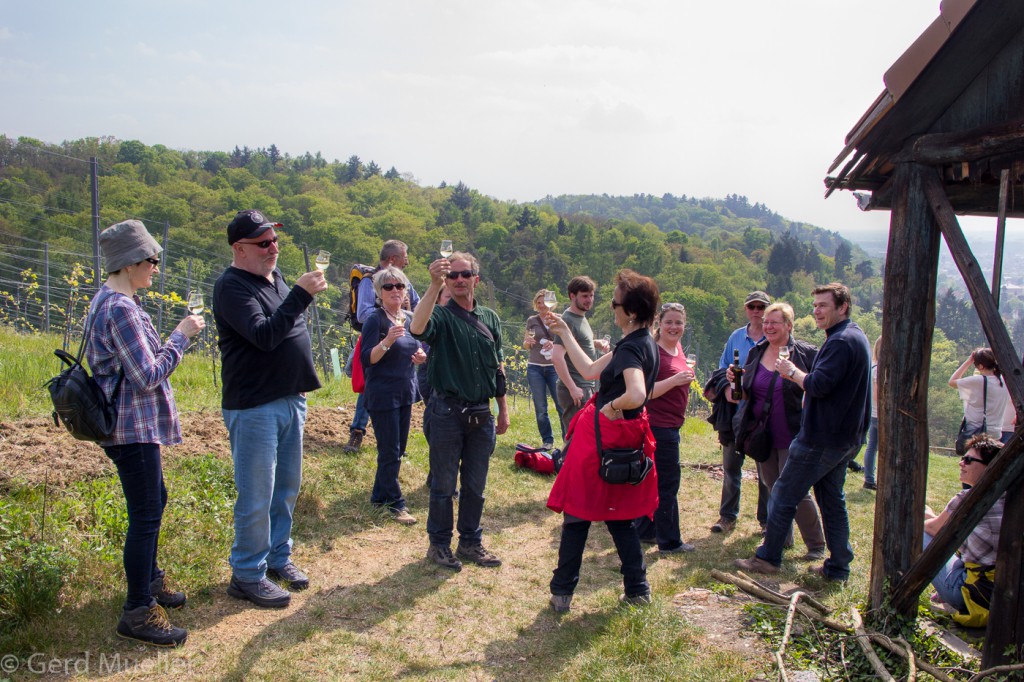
784, 418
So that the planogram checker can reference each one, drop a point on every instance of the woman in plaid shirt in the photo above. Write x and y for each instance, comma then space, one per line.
124, 348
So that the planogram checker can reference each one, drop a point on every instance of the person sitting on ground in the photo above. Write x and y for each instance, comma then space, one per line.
389, 356
966, 581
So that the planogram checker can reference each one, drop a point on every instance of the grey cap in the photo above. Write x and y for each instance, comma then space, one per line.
759, 297
127, 243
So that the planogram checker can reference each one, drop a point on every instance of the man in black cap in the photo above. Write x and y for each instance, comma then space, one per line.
267, 368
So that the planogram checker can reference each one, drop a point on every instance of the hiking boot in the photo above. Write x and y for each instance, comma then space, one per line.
683, 547
263, 593
816, 554
149, 624
635, 600
870, 485
290, 575
560, 603
443, 557
165, 597
478, 555
355, 441
855, 466
724, 525
757, 565
403, 517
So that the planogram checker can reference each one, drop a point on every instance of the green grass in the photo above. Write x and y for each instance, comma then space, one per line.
376, 609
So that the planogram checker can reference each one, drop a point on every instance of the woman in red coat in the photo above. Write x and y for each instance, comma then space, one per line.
627, 378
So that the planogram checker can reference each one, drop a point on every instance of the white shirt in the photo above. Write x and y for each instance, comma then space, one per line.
972, 393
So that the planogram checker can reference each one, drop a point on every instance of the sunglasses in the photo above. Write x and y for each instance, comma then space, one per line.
464, 274
756, 306
155, 262
391, 286
678, 307
615, 304
967, 459
265, 244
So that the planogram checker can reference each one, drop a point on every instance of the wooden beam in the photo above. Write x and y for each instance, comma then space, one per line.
1006, 615
1008, 466
997, 265
908, 322
970, 145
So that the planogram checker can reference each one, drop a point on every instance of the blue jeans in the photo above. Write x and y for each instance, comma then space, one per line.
824, 469
142, 480
361, 417
872, 452
543, 379
391, 429
459, 454
266, 448
732, 479
665, 527
949, 580
627, 544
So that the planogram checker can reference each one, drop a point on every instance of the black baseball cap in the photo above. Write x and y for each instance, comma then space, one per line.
248, 224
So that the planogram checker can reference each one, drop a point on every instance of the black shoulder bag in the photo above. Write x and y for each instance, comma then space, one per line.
966, 433
757, 443
620, 465
78, 401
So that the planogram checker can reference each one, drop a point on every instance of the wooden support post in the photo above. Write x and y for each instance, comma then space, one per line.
997, 264
1006, 615
908, 321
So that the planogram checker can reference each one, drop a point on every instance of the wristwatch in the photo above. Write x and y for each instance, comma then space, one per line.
386, 347
791, 372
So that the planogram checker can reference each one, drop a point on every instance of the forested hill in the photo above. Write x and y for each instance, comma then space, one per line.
704, 253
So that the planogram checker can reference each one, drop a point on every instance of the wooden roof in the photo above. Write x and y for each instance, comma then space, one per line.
954, 99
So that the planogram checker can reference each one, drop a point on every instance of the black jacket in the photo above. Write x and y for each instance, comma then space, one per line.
802, 355
722, 411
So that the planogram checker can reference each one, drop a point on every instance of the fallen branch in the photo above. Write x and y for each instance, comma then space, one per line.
865, 643
932, 670
783, 599
785, 635
758, 590
911, 660
998, 669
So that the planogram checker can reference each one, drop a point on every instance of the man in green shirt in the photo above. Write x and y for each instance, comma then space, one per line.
573, 390
465, 372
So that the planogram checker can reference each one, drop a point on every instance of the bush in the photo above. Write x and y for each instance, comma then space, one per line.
31, 577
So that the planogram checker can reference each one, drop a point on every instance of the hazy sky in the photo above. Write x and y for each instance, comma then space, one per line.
519, 99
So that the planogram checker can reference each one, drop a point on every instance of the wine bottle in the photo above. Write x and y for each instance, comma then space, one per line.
737, 376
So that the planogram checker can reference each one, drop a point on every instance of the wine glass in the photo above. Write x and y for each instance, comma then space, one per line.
446, 248
550, 299
691, 359
323, 259
784, 353
195, 302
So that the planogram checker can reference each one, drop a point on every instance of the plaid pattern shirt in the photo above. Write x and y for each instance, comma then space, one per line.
980, 546
123, 337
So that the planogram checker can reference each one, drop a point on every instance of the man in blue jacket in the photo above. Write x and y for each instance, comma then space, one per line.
836, 416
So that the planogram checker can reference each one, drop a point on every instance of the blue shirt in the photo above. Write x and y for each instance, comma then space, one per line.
390, 383
739, 340
367, 298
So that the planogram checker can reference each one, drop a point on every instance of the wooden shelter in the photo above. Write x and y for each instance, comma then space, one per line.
946, 137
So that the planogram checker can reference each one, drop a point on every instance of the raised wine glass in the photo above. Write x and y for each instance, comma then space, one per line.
550, 299
691, 359
784, 353
195, 302
446, 248
323, 259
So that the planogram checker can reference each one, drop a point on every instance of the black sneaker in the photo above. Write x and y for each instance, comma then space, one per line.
868, 485
166, 597
263, 593
290, 575
149, 624
478, 555
442, 556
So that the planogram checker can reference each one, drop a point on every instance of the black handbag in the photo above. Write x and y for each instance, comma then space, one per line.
966, 433
78, 401
620, 465
757, 443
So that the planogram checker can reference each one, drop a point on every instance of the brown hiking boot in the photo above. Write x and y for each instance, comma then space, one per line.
478, 555
149, 624
757, 565
355, 441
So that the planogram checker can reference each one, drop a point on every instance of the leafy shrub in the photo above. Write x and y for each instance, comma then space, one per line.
31, 577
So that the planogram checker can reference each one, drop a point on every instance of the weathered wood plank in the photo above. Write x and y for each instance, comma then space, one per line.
1006, 617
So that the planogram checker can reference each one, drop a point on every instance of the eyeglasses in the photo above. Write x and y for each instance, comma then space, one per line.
615, 304
967, 459
755, 306
265, 244
391, 286
678, 307
155, 262
464, 274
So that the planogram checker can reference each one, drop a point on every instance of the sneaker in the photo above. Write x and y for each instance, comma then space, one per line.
820, 572
816, 554
870, 485
264, 593
355, 441
166, 597
757, 565
478, 555
635, 600
560, 603
290, 575
442, 556
683, 547
724, 525
403, 517
149, 624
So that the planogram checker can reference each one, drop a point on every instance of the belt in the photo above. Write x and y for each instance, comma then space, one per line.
455, 402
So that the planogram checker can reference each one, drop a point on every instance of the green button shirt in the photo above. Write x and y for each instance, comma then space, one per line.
463, 363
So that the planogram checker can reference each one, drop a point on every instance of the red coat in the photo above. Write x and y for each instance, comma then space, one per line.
579, 490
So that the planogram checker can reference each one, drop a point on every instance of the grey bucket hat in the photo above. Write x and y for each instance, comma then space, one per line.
127, 243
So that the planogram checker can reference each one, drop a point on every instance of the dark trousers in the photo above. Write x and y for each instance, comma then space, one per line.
665, 527
391, 429
627, 544
142, 480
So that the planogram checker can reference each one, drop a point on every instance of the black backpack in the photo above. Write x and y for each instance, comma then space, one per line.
78, 401
359, 271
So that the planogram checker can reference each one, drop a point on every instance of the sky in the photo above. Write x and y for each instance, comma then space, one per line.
518, 99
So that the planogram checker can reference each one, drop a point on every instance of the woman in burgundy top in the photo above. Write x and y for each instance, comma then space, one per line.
784, 418
666, 412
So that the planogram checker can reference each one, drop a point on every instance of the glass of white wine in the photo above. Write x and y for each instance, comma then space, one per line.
446, 248
195, 302
691, 359
323, 259
550, 299
784, 353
